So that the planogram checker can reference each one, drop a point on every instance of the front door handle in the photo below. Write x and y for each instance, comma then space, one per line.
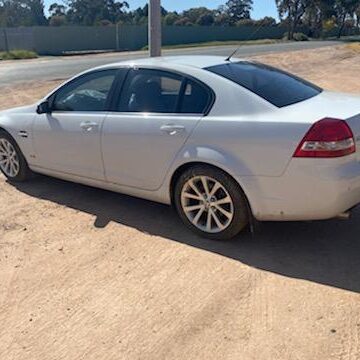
89, 126
172, 129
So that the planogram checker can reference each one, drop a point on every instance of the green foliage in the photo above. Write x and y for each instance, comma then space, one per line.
319, 16
58, 20
18, 54
171, 18
93, 12
22, 13
238, 9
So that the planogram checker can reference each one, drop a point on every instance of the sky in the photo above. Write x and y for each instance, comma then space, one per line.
261, 7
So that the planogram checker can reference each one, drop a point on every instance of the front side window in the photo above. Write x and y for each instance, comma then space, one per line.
276, 86
87, 93
150, 91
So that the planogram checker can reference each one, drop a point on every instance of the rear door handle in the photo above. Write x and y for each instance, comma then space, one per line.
172, 129
89, 126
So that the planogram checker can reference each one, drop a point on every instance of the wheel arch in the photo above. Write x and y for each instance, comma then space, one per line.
182, 168
8, 133
4, 130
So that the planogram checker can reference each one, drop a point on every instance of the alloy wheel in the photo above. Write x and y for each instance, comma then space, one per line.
9, 160
207, 204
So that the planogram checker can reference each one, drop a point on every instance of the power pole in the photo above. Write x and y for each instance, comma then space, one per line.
154, 28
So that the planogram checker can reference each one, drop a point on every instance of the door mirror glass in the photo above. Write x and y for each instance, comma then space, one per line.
44, 108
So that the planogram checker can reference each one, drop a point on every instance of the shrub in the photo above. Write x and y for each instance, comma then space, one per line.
18, 54
296, 37
300, 37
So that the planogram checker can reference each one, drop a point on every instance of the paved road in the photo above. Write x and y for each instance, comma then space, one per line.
64, 67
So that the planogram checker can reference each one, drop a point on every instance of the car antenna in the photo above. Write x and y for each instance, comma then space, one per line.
232, 54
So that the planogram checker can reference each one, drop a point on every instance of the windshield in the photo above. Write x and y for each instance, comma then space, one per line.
276, 86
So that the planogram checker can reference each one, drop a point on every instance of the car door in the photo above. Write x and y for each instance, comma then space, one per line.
68, 139
150, 122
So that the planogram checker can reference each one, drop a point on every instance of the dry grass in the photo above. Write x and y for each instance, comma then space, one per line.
355, 47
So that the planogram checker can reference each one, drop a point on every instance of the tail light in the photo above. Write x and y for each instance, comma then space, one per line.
327, 138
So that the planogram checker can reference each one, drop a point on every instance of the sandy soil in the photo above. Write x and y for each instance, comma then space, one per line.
88, 274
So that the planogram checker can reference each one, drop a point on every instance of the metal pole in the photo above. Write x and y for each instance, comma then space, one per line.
154, 28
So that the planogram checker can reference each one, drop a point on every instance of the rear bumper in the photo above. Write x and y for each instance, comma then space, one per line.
310, 189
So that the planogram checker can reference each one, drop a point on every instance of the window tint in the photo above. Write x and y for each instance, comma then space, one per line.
276, 86
88, 93
150, 91
196, 98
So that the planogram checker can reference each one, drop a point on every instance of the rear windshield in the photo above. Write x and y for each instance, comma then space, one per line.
276, 86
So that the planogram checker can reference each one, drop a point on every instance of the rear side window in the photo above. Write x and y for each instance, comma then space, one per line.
276, 86
157, 91
196, 99
150, 91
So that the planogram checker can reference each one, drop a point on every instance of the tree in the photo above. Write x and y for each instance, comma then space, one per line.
93, 12
56, 9
171, 18
222, 18
357, 13
194, 15
22, 13
57, 15
344, 9
238, 9
57, 20
206, 20
266, 21
36, 12
183, 21
293, 10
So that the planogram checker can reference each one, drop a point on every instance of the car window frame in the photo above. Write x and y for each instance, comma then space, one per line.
51, 99
185, 79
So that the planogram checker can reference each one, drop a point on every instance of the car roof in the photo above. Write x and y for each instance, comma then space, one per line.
195, 61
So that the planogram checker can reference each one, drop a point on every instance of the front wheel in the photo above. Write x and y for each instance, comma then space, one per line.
12, 162
211, 203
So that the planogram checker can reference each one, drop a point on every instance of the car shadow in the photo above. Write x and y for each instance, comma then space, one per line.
325, 252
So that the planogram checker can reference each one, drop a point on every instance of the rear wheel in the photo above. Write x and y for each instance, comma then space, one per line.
12, 162
211, 203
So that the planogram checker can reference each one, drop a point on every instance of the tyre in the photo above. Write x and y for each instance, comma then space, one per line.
211, 203
12, 162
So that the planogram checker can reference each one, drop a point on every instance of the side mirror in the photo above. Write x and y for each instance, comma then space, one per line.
44, 108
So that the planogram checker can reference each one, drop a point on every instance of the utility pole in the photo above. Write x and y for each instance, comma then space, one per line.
154, 28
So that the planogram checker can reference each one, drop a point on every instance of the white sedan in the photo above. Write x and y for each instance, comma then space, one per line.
224, 141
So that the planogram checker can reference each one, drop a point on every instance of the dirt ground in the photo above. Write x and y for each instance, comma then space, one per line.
89, 274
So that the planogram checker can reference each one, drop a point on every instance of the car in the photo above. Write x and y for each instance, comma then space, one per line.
226, 141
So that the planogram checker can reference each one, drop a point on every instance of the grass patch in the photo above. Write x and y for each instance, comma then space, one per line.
220, 43
355, 46
18, 55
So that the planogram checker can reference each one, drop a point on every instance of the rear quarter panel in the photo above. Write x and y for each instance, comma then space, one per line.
247, 146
